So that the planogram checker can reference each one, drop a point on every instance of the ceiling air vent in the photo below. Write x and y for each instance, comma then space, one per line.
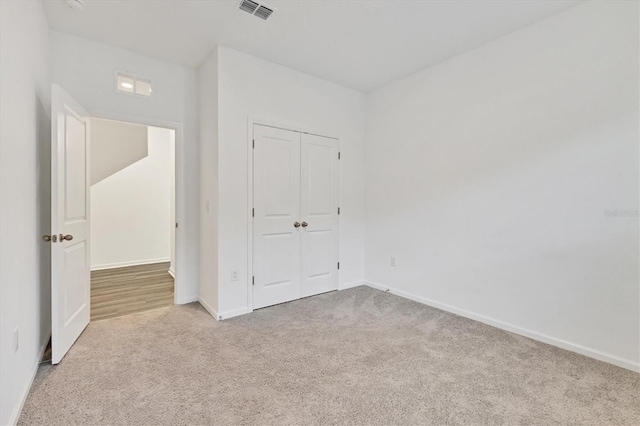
256, 8
248, 6
263, 12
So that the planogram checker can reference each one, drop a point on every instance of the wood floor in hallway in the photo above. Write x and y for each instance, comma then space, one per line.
122, 291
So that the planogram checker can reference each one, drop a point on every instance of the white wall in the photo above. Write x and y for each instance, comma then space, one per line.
25, 170
208, 85
86, 70
114, 146
488, 177
250, 87
131, 209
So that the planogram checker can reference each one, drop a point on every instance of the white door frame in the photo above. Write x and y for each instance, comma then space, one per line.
250, 122
179, 185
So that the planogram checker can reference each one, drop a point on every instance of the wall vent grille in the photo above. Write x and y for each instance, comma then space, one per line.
127, 83
254, 8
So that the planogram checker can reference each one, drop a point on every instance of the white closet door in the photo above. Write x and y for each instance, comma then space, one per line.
319, 198
276, 200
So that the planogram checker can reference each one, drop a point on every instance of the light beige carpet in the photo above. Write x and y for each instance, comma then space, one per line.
357, 356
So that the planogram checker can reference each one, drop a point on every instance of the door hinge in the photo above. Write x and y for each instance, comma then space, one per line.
338, 155
176, 224
253, 212
254, 144
338, 210
338, 265
253, 280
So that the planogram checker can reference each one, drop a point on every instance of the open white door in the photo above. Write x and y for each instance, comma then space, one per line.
70, 262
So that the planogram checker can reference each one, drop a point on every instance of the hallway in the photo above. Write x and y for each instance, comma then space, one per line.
122, 291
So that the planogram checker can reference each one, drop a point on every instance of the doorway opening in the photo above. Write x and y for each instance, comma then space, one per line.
132, 217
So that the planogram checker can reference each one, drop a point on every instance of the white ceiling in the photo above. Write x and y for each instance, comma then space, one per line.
359, 44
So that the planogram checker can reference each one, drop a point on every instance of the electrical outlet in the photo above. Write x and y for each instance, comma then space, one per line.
235, 275
393, 261
15, 340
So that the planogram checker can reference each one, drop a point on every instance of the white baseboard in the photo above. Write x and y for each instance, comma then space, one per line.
382, 288
15, 415
573, 347
208, 308
187, 299
235, 313
172, 272
222, 315
352, 284
128, 263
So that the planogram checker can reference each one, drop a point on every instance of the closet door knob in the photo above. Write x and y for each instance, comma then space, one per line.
296, 224
305, 224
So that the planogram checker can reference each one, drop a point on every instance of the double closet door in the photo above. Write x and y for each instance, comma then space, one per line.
295, 216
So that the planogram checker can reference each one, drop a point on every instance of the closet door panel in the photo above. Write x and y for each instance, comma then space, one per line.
276, 203
319, 210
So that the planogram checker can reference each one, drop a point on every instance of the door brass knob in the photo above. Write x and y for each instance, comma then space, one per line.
66, 237
296, 224
305, 224
46, 238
